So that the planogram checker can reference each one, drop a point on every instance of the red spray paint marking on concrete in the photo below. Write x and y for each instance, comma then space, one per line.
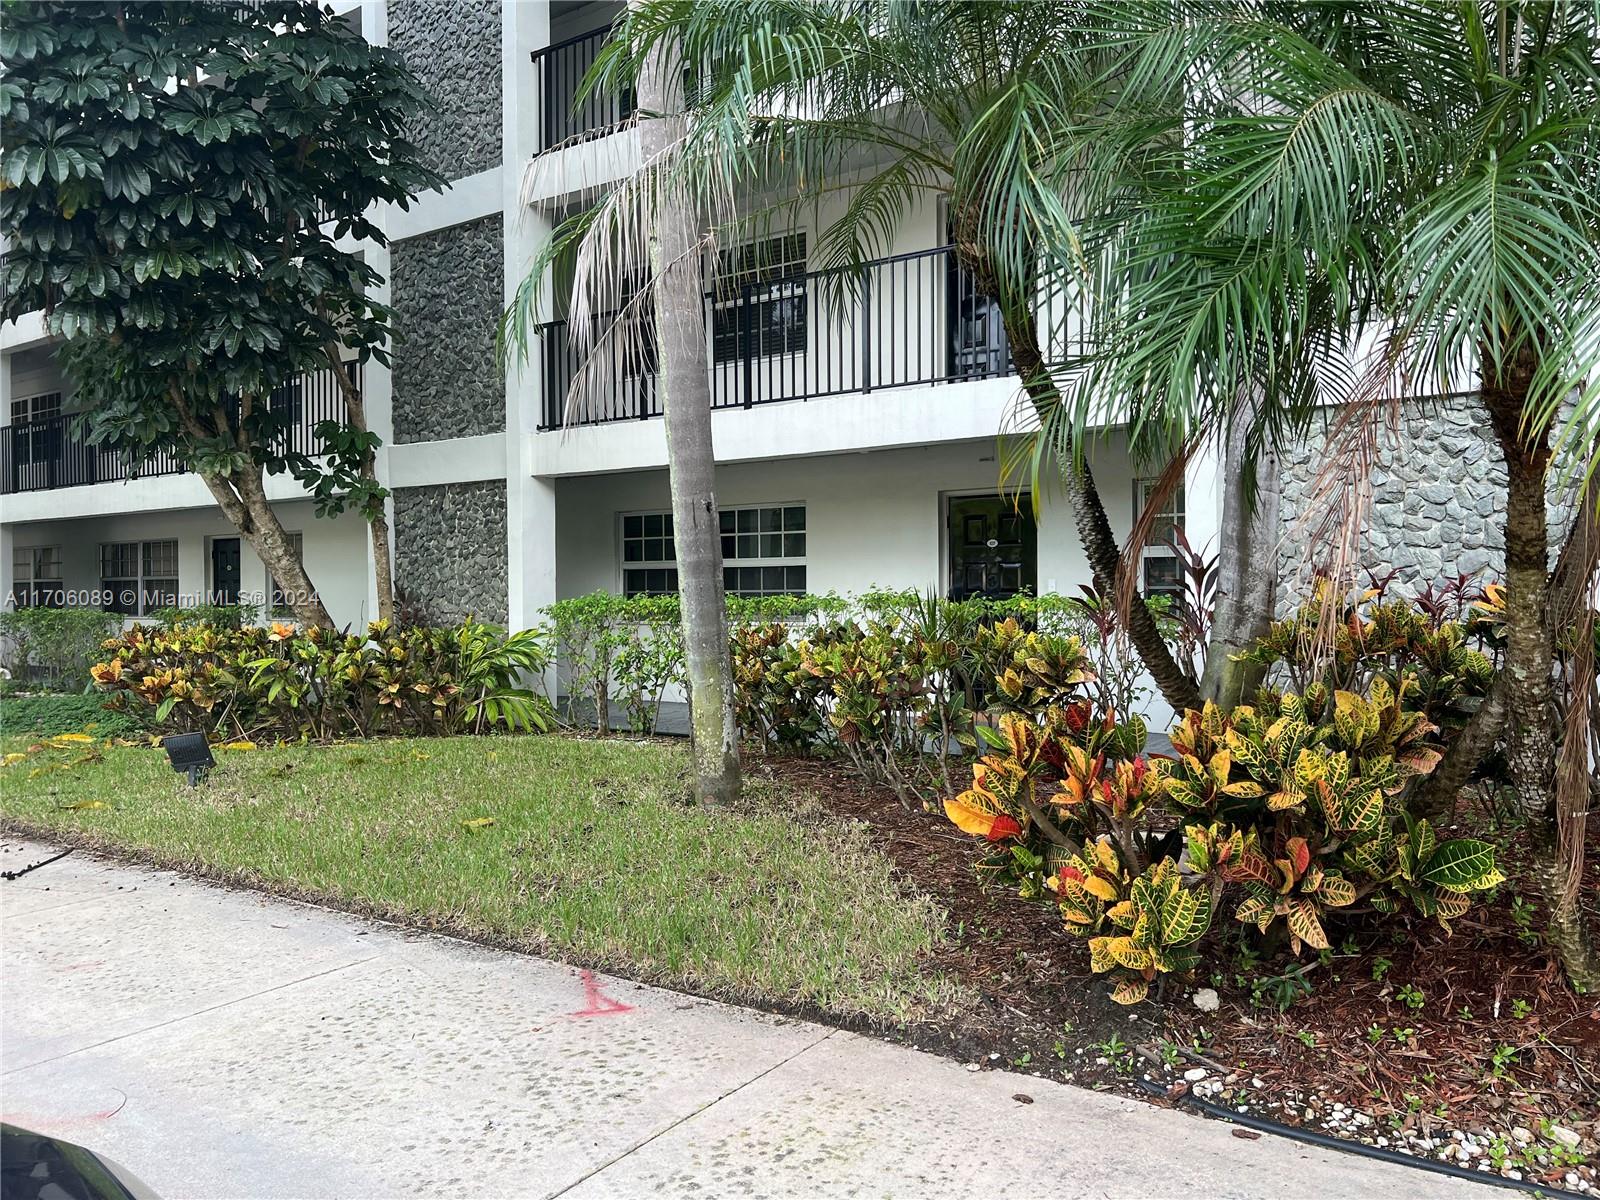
596, 1002
44, 1123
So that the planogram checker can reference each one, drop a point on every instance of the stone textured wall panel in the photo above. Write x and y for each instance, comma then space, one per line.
450, 550
453, 46
447, 289
1438, 503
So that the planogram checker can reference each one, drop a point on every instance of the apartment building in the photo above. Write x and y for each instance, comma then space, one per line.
857, 438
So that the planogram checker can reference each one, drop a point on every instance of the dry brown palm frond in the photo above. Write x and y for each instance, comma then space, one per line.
1579, 559
1334, 516
1171, 477
1575, 598
1574, 769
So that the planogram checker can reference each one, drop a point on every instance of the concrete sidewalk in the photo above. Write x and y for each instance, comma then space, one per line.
223, 1044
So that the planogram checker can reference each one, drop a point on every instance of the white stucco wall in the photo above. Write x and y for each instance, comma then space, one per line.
335, 551
872, 520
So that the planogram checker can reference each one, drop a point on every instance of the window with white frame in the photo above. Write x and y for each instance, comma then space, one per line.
139, 577
36, 577
1162, 575
40, 443
280, 599
760, 291
763, 551
649, 555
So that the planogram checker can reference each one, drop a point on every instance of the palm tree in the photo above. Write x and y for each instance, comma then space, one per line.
1410, 188
684, 386
975, 107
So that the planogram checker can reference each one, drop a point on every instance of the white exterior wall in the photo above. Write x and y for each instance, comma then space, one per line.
334, 551
872, 520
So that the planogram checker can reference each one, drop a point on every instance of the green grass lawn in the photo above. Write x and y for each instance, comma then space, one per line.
593, 855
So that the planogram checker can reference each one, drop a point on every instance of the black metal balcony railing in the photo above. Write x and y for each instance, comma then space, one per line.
46, 454
561, 69
912, 320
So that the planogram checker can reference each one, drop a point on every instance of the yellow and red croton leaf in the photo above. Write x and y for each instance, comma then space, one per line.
972, 813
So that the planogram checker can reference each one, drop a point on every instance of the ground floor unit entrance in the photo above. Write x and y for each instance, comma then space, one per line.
937, 518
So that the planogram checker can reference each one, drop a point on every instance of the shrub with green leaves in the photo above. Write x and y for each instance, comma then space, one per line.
1448, 656
648, 660
281, 683
1291, 813
586, 632
223, 616
47, 715
52, 649
951, 659
1300, 803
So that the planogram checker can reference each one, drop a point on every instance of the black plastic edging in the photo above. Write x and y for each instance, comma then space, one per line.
1344, 1145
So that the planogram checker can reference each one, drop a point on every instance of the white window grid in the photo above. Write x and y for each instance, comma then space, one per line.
40, 444
139, 577
36, 576
763, 548
1162, 571
778, 316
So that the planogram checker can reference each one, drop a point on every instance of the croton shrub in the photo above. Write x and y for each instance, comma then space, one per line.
938, 654
1284, 815
282, 683
903, 698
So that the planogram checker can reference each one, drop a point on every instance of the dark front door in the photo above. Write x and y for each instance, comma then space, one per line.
978, 348
224, 570
994, 546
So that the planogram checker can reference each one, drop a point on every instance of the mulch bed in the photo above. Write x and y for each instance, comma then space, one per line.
1406, 1037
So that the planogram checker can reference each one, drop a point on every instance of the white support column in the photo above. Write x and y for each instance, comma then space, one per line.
1202, 499
7, 582
194, 566
530, 501
377, 384
7, 566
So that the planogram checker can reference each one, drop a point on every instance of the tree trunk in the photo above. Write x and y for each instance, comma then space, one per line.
243, 500
1569, 583
1530, 734
1470, 746
1568, 586
684, 384
382, 567
1247, 571
377, 519
1094, 529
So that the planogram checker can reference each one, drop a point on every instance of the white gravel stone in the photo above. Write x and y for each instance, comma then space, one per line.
1195, 1074
1207, 1000
1567, 1137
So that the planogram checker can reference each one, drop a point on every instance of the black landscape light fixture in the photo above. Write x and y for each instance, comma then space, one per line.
189, 755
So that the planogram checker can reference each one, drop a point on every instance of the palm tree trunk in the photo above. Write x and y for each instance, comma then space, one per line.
1094, 529
1531, 722
684, 382
1568, 584
1247, 572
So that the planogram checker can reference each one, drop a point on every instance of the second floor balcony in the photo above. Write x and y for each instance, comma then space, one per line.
561, 68
49, 452
777, 334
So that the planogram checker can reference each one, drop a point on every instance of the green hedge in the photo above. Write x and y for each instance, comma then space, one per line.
52, 649
51, 714
629, 650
